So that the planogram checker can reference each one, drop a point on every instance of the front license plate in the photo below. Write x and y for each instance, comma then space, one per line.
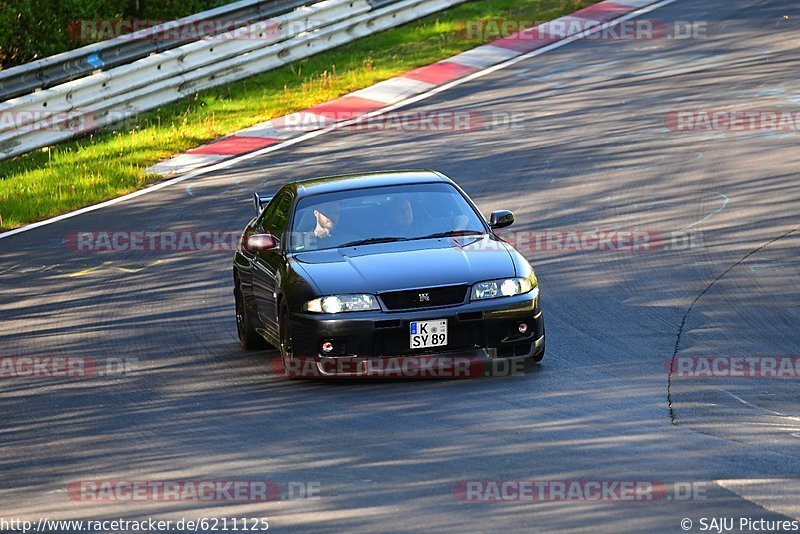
426, 334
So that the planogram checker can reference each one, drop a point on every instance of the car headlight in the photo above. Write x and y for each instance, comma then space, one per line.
342, 303
502, 288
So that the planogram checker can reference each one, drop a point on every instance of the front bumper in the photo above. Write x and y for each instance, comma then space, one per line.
483, 339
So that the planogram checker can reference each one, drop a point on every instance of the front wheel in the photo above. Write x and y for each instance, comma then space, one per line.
249, 339
533, 362
287, 350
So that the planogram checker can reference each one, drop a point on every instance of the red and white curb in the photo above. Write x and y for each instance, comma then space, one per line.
397, 89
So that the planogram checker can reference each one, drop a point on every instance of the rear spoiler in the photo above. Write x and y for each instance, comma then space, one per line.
260, 202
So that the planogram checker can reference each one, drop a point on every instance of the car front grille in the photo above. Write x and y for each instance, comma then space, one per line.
424, 297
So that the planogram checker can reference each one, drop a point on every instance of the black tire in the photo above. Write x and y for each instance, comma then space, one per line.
286, 346
249, 339
532, 363
540, 356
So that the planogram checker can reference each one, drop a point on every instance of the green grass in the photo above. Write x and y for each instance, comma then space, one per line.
108, 164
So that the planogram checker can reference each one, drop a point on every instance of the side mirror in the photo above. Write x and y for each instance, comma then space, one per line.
260, 242
260, 202
501, 219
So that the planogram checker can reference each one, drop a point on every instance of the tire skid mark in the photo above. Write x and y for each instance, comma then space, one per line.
672, 416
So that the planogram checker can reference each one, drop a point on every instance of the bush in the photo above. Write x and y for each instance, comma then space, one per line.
33, 29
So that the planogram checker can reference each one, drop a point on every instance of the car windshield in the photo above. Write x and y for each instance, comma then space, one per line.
382, 214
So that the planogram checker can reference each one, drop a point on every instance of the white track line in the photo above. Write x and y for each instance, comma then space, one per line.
707, 217
772, 412
290, 142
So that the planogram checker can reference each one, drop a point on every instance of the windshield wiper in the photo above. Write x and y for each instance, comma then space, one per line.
452, 233
371, 240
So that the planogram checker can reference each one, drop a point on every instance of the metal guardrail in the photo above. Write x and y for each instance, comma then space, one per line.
61, 68
68, 110
103, 98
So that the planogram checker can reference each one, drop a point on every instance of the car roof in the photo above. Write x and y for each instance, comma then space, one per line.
329, 184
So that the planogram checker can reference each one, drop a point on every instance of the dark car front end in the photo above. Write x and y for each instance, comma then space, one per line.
481, 334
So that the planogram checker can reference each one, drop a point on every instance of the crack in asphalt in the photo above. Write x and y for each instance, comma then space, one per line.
672, 417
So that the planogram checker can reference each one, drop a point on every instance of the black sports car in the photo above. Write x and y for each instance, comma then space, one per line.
346, 273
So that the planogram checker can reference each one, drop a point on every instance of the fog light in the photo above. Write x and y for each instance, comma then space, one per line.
523, 327
327, 347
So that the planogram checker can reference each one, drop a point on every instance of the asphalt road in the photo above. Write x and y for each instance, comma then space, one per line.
593, 153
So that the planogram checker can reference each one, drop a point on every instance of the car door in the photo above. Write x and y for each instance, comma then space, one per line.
268, 265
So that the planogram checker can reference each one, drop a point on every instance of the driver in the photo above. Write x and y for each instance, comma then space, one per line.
400, 215
327, 217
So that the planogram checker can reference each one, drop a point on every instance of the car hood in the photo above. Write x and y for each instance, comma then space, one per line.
406, 265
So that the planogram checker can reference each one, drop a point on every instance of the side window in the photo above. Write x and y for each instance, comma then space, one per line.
277, 215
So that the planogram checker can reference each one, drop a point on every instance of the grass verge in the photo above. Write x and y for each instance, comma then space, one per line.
108, 164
